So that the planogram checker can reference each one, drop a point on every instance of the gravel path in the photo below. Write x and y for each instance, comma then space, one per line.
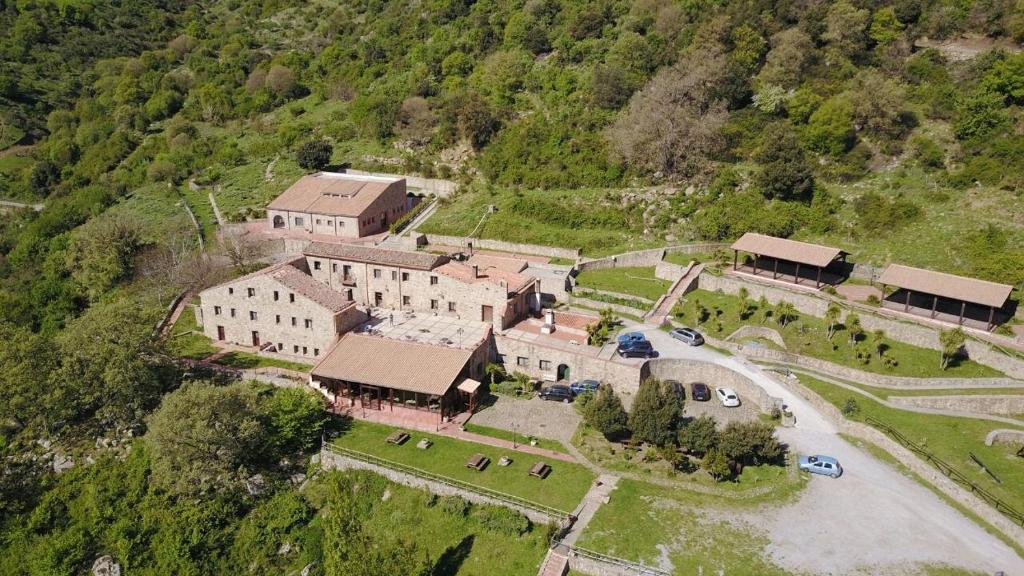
872, 517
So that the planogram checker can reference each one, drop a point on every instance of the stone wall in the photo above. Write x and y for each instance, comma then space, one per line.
625, 260
435, 186
502, 246
669, 271
599, 305
1004, 436
639, 299
331, 460
593, 567
999, 405
704, 247
910, 460
713, 375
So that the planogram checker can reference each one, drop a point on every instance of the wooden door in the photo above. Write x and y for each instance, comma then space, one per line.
487, 313
255, 338
220, 333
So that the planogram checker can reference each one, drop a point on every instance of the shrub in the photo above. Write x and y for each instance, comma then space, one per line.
605, 413
314, 155
454, 506
502, 520
699, 435
850, 407
830, 128
747, 442
716, 464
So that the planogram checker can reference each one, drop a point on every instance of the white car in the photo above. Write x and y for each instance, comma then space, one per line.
728, 397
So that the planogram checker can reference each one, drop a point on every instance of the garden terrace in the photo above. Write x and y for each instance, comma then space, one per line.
785, 258
947, 297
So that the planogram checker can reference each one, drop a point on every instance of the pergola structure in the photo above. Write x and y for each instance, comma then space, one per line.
785, 258
944, 296
375, 373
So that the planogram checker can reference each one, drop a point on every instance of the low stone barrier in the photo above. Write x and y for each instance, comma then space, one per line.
502, 246
669, 271
1004, 436
714, 375
999, 405
638, 299
436, 186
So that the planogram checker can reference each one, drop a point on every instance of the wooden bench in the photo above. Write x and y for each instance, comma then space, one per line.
477, 462
540, 470
397, 438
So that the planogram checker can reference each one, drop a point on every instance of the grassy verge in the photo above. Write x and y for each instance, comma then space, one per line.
562, 489
884, 456
245, 360
652, 524
950, 438
186, 339
545, 443
807, 335
635, 281
600, 297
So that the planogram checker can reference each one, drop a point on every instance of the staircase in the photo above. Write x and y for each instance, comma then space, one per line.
555, 564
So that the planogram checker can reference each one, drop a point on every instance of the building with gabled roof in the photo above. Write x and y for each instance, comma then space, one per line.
335, 204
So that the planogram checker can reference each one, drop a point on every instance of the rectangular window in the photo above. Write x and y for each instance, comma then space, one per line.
405, 276
334, 267
304, 351
522, 361
291, 297
346, 270
545, 364
341, 223
231, 290
451, 306
406, 301
252, 315
277, 296
280, 346
376, 272
232, 312
433, 304
298, 221
316, 351
319, 221
277, 319
251, 292
295, 349
316, 264
216, 310
433, 280
394, 275
295, 322
309, 322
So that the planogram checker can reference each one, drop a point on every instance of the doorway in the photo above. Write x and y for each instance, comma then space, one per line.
220, 333
255, 338
278, 221
378, 299
486, 313
369, 397
563, 372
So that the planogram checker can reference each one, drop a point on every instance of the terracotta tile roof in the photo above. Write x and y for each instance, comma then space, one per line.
464, 273
393, 364
304, 284
783, 249
575, 320
946, 285
491, 261
375, 255
335, 194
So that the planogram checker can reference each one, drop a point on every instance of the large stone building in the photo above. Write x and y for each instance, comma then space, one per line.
332, 204
420, 281
279, 309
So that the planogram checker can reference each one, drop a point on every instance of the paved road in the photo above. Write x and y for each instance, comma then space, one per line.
871, 517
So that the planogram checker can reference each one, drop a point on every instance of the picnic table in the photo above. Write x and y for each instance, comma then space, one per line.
540, 470
477, 462
397, 437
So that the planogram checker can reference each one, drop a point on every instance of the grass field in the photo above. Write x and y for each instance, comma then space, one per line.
950, 438
159, 211
187, 340
807, 335
635, 281
562, 489
545, 443
245, 360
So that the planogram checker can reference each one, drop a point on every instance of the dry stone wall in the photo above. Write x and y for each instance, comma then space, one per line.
713, 375
999, 405
502, 246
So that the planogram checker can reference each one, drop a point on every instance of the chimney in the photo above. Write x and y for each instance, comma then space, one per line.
476, 271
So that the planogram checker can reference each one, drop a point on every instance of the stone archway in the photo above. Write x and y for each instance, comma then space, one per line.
278, 221
562, 372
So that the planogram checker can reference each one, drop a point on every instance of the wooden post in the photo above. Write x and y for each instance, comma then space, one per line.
935, 305
906, 304
775, 270
991, 317
963, 308
735, 259
817, 283
755, 264
796, 277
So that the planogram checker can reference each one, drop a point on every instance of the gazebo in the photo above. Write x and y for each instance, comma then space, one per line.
944, 296
788, 258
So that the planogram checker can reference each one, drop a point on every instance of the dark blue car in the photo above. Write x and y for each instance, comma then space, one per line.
584, 386
631, 338
636, 350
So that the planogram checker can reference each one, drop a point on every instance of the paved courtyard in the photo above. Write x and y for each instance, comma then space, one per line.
745, 412
534, 417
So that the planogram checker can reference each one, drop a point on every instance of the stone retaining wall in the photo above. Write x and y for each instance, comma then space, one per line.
502, 246
592, 567
624, 260
624, 296
669, 271
435, 186
620, 308
715, 376
999, 405
1004, 436
331, 460
909, 459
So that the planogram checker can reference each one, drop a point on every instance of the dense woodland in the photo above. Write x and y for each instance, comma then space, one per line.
740, 115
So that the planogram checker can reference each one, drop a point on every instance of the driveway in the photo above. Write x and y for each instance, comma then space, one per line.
869, 518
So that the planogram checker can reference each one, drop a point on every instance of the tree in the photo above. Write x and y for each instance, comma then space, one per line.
716, 464
951, 341
605, 413
611, 86
792, 50
750, 442
885, 26
495, 372
699, 435
744, 298
243, 250
878, 342
416, 120
100, 253
846, 28
853, 327
314, 155
655, 414
784, 313
785, 173
764, 307
879, 105
280, 80
832, 318
295, 419
979, 114
830, 127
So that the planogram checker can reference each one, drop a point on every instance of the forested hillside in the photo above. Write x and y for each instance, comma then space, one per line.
601, 124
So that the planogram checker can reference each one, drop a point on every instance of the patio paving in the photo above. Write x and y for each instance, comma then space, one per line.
425, 328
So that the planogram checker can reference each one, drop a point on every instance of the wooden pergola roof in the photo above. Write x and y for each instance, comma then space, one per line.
783, 249
945, 285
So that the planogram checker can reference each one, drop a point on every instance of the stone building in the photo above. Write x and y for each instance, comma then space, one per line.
279, 309
424, 282
344, 205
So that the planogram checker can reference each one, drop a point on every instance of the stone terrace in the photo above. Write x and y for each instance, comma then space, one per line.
425, 328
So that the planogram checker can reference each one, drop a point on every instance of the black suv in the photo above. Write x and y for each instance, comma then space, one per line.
557, 392
636, 350
700, 391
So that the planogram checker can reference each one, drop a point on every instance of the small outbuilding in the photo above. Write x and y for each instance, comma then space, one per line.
791, 260
947, 297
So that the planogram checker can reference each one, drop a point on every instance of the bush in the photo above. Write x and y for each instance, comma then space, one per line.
502, 520
314, 155
454, 506
851, 408
699, 435
605, 413
927, 153
830, 128
750, 442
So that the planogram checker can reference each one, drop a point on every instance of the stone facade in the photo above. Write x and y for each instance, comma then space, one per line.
257, 310
366, 217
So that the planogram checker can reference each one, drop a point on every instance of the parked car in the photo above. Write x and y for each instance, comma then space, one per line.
557, 392
631, 338
637, 350
677, 389
824, 465
700, 391
728, 397
687, 335
584, 386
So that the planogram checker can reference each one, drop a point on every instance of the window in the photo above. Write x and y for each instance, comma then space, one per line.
295, 321
251, 292
522, 361
291, 297
316, 264
346, 270
334, 267
309, 322
280, 346
231, 290
298, 221
319, 221
216, 310
376, 272
295, 349
405, 276
433, 304
252, 315
394, 274
304, 351
316, 351
232, 312
277, 319
545, 364
277, 296
451, 306
341, 224
406, 301
433, 280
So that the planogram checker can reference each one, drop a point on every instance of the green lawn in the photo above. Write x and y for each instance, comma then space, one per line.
186, 339
949, 438
683, 259
807, 335
245, 360
465, 545
563, 489
635, 281
643, 523
545, 443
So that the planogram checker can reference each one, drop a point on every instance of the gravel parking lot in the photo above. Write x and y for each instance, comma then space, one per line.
745, 412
